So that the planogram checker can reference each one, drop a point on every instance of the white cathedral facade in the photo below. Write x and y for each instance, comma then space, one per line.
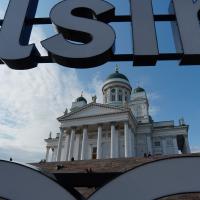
119, 127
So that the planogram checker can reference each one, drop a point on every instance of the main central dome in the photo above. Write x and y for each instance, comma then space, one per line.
117, 75
116, 89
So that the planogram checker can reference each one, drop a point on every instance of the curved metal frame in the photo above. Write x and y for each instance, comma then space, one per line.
22, 182
154, 180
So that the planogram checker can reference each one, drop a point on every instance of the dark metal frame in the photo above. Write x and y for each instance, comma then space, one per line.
115, 57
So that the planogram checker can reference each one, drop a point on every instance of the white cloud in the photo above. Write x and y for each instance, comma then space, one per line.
195, 149
95, 87
4, 4
153, 98
30, 102
153, 110
37, 35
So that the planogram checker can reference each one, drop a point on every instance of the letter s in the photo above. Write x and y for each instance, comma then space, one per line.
76, 20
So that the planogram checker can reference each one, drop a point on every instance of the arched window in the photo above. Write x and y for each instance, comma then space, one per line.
113, 91
120, 94
126, 96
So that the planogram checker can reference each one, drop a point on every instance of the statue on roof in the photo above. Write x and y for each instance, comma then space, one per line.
94, 99
50, 135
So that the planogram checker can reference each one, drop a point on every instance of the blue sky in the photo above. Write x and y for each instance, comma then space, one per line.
30, 101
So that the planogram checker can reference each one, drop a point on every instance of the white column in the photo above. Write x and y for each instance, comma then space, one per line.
175, 146
84, 149
77, 144
164, 146
117, 143
113, 139
99, 142
47, 154
71, 144
109, 95
52, 156
133, 144
130, 143
187, 146
116, 94
149, 145
59, 146
55, 154
126, 139
67, 142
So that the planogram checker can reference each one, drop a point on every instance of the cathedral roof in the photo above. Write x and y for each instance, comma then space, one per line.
81, 98
117, 75
138, 89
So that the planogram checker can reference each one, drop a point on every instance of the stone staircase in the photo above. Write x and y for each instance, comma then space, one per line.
119, 165
104, 165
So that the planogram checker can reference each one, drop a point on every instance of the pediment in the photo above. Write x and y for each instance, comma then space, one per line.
92, 110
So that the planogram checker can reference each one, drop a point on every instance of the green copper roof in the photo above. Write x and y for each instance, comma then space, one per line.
138, 89
117, 75
81, 99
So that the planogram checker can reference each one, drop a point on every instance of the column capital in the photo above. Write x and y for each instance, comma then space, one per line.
85, 127
73, 127
100, 128
65, 130
126, 122
61, 129
113, 123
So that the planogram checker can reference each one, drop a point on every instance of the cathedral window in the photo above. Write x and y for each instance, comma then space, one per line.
169, 141
138, 111
113, 91
126, 96
113, 97
157, 143
120, 95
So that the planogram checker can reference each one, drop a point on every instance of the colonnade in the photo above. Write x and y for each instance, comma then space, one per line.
73, 140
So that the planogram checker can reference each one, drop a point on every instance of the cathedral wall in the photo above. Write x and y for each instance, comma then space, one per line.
165, 145
141, 145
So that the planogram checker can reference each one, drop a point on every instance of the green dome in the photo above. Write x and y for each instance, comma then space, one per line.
81, 99
117, 75
138, 89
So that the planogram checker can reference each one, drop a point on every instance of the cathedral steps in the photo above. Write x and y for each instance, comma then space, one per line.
87, 175
99, 166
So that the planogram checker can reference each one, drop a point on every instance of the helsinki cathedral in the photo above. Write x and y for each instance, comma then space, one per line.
119, 127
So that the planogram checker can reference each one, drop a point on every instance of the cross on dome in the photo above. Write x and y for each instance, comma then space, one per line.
117, 69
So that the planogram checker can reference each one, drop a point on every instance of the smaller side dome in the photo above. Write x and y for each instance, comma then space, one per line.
81, 98
138, 89
79, 102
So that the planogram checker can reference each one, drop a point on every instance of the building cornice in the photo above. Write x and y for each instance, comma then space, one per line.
62, 118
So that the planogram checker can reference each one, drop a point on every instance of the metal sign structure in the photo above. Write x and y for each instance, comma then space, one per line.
153, 180
86, 23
